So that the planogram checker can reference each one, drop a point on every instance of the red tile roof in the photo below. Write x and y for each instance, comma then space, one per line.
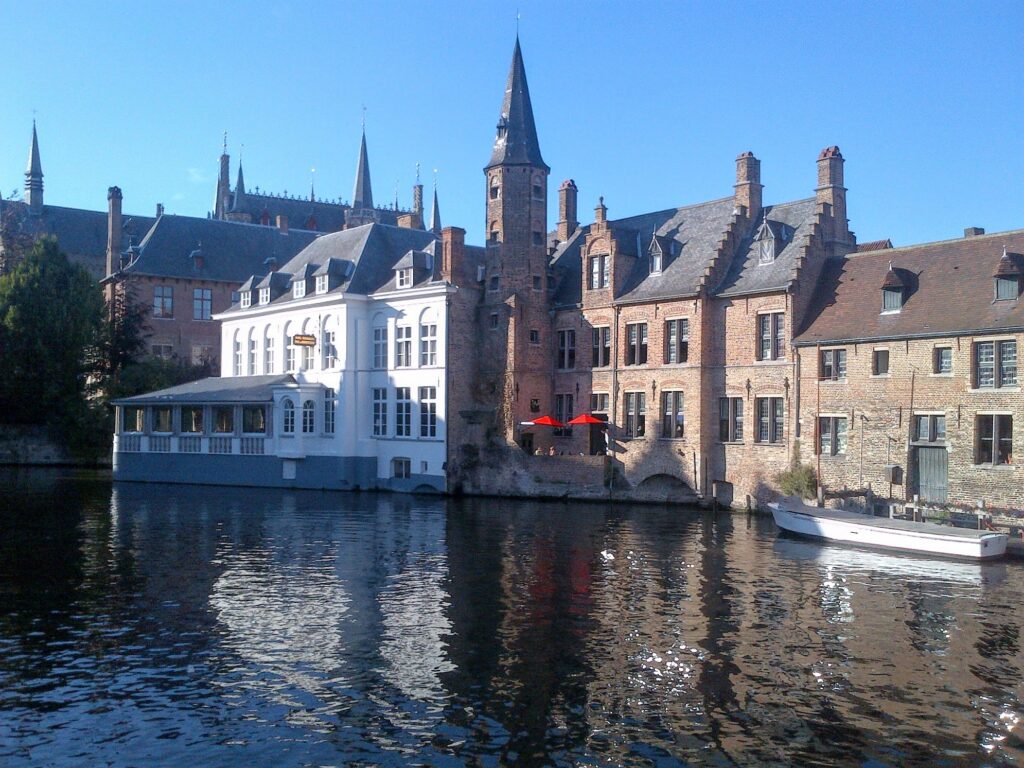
950, 290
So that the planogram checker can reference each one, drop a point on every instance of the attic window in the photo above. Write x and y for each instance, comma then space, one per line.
1007, 288
766, 250
246, 300
264, 295
892, 299
656, 261
404, 279
299, 289
322, 283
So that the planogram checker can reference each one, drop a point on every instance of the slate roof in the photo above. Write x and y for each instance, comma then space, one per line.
951, 292
374, 250
81, 234
330, 217
231, 251
215, 389
516, 142
746, 275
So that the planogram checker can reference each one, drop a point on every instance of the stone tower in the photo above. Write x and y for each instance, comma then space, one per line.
514, 319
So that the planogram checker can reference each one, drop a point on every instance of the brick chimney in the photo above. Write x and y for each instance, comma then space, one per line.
974, 231
159, 210
282, 223
567, 221
601, 211
115, 228
748, 184
453, 255
830, 190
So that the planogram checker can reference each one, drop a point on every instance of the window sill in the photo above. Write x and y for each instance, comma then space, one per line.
941, 375
776, 361
996, 467
994, 390
761, 444
673, 439
829, 456
880, 376
732, 442
833, 381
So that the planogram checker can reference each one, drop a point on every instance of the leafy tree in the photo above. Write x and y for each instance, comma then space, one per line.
51, 314
154, 373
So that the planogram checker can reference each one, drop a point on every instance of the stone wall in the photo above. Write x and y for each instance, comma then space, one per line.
32, 445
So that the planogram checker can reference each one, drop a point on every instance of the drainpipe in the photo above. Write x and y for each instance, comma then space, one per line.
909, 432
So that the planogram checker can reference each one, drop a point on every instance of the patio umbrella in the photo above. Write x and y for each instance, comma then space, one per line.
547, 421
586, 418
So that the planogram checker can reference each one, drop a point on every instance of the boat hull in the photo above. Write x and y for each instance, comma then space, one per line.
881, 533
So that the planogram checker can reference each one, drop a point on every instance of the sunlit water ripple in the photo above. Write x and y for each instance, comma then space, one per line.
158, 625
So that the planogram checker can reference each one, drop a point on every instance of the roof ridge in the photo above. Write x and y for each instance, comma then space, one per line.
895, 250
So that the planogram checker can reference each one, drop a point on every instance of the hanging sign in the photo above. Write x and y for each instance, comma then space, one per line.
304, 340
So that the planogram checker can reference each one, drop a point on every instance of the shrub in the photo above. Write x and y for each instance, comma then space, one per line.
799, 480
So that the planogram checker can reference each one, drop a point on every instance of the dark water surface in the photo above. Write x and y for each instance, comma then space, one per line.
171, 625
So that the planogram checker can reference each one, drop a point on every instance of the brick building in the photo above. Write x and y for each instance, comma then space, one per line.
909, 372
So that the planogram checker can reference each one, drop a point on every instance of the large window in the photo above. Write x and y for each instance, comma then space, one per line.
401, 468
330, 407
428, 411
566, 350
677, 341
832, 435
307, 358
289, 360
994, 439
769, 419
598, 271
403, 412
224, 419
254, 419
428, 344
192, 419
288, 416
330, 349
601, 356
563, 412
308, 417
269, 353
380, 412
636, 414
162, 418
380, 347
880, 362
237, 356
636, 344
134, 419
730, 419
833, 364
599, 402
672, 423
253, 368
163, 301
770, 329
202, 303
403, 346
995, 364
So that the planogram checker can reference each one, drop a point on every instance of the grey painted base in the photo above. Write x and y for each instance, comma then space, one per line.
336, 473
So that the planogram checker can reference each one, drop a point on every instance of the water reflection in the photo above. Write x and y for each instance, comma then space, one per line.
159, 625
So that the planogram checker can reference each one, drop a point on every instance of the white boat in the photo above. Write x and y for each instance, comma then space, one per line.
882, 533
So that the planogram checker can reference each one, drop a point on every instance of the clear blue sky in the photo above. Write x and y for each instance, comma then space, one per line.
646, 104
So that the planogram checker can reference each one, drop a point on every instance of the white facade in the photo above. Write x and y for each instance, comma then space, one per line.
404, 372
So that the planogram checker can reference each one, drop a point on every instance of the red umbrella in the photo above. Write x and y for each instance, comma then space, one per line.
547, 421
586, 418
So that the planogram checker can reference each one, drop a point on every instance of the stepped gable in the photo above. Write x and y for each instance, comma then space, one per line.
953, 293
374, 250
81, 234
230, 251
791, 224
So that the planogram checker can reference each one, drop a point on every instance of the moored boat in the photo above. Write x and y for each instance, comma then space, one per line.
882, 533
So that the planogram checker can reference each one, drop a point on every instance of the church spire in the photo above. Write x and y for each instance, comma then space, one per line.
516, 141
34, 176
362, 194
435, 213
239, 188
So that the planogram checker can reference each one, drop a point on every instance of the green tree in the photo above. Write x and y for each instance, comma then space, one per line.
51, 315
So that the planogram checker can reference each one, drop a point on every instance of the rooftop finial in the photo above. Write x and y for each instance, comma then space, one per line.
312, 179
435, 178
417, 173
518, 16
224, 148
364, 118
1005, 256
890, 265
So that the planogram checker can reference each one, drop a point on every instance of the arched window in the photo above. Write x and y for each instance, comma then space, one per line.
289, 348
307, 352
288, 412
329, 343
253, 363
269, 352
308, 416
236, 349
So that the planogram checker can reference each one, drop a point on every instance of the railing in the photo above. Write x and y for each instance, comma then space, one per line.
129, 443
220, 445
251, 446
190, 444
160, 443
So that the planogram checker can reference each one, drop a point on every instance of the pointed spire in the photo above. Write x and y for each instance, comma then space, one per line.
312, 189
239, 188
516, 142
435, 211
34, 176
362, 194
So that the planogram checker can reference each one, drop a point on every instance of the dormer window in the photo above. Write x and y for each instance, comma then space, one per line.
322, 283
766, 251
892, 299
298, 289
656, 260
264, 295
404, 279
1007, 288
246, 299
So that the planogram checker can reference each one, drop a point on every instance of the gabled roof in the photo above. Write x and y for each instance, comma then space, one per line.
789, 223
516, 142
953, 292
216, 389
231, 251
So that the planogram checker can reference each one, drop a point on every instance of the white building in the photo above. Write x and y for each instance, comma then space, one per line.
333, 375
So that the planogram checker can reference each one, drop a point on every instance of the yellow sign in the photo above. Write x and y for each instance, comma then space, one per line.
304, 340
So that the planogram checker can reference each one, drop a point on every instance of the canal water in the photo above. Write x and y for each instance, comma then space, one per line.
149, 625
